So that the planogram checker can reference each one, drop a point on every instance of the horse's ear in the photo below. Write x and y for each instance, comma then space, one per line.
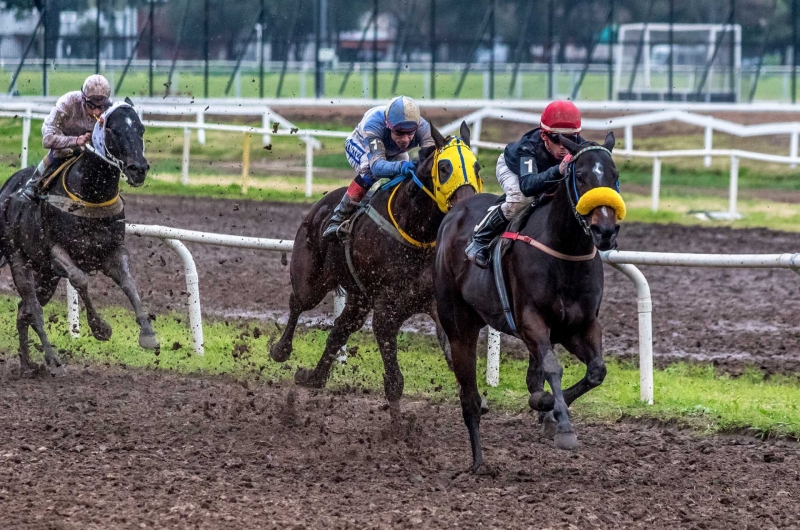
571, 146
438, 139
128, 101
609, 141
464, 132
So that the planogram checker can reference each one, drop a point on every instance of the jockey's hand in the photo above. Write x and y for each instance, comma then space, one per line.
407, 169
562, 167
85, 139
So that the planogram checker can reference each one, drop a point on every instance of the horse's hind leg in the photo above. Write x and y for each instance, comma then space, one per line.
118, 269
588, 347
63, 263
350, 321
463, 326
442, 337
386, 324
29, 313
282, 350
310, 284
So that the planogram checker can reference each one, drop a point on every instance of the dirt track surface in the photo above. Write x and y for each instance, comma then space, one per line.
733, 317
115, 448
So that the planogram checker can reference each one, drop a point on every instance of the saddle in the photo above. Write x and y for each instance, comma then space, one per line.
55, 170
500, 249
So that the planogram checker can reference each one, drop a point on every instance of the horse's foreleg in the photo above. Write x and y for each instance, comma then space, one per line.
64, 266
386, 324
117, 268
536, 336
350, 321
29, 313
588, 347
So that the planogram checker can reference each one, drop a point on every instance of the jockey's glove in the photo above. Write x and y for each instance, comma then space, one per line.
407, 169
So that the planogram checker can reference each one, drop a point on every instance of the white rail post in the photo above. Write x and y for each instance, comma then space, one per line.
192, 287
475, 136
265, 124
493, 357
187, 141
645, 310
26, 136
795, 137
656, 191
339, 301
309, 166
709, 143
73, 312
201, 133
734, 187
629, 138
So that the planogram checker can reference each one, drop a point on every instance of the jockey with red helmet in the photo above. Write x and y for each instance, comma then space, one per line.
376, 149
527, 167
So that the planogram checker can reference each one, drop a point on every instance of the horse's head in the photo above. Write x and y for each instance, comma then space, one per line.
124, 142
593, 188
450, 168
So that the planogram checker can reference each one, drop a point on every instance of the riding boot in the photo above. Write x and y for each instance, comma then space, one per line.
492, 226
343, 211
30, 191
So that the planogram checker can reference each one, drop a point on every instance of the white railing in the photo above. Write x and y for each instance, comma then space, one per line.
31, 110
624, 261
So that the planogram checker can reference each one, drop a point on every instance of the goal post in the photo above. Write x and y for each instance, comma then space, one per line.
703, 61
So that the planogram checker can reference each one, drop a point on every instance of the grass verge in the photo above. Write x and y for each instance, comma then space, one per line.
690, 395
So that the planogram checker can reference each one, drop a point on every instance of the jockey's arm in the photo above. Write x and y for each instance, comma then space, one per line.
379, 165
53, 136
532, 181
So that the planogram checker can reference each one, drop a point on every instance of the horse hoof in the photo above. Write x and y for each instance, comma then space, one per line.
280, 353
484, 405
307, 378
549, 425
148, 342
485, 470
100, 330
58, 371
541, 401
568, 441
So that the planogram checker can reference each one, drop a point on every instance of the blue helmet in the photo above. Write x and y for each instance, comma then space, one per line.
402, 114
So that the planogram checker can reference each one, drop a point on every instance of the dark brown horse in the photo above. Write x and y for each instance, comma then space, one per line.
396, 277
554, 290
78, 228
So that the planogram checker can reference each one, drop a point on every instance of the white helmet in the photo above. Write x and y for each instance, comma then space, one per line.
97, 90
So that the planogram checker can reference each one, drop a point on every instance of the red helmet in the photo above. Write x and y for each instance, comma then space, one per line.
561, 117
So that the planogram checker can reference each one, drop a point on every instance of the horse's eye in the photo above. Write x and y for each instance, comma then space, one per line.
477, 169
445, 170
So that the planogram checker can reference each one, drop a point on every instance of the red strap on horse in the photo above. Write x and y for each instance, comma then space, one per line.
516, 236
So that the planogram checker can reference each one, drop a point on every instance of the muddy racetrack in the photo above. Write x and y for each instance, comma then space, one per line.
115, 448
732, 317
108, 447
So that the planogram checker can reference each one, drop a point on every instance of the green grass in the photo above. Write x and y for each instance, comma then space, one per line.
692, 395
534, 85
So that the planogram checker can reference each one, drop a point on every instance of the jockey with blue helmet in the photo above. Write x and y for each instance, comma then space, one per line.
378, 148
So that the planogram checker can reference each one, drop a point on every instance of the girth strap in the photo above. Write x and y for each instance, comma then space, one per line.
500, 283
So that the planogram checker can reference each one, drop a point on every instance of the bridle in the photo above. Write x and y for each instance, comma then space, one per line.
572, 186
103, 153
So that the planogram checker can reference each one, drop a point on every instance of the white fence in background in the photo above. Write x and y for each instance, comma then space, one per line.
624, 261
30, 110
